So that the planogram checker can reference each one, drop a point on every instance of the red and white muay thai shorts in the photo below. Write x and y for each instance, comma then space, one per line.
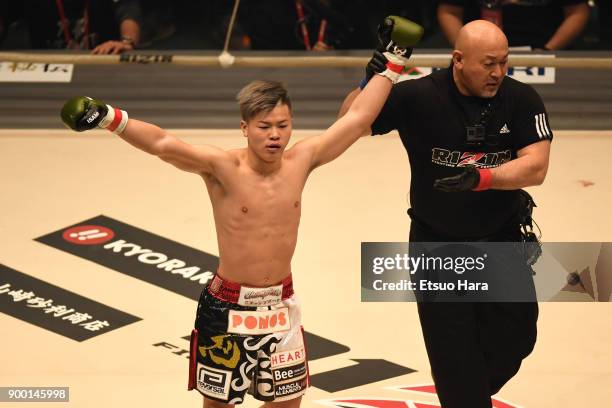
248, 339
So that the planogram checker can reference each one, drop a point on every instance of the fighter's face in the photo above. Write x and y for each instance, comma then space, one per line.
483, 70
268, 132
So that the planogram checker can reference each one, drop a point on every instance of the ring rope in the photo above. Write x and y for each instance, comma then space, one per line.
437, 61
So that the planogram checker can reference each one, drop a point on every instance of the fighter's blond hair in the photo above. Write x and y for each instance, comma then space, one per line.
261, 96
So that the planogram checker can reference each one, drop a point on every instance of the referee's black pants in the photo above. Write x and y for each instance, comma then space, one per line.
474, 348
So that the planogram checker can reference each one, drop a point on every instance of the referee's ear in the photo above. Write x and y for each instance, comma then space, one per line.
458, 59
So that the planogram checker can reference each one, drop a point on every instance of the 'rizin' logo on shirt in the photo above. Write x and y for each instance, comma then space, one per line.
456, 158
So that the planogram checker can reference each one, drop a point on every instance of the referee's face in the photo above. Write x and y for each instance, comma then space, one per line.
482, 67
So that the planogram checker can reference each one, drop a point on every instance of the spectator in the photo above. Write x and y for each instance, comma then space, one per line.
605, 22
540, 24
9, 13
269, 24
319, 25
103, 26
336, 24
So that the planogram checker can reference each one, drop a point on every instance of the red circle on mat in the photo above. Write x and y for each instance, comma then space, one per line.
88, 235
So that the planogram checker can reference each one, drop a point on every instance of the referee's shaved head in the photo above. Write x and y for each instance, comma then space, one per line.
480, 59
478, 35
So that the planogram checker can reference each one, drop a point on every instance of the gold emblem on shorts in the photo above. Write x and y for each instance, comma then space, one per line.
215, 285
223, 351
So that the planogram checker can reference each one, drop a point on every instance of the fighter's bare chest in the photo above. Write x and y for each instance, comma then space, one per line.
268, 199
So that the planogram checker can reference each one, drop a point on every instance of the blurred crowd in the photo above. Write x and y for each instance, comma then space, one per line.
115, 26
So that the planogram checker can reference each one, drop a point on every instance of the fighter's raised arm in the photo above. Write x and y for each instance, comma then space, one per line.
84, 113
396, 35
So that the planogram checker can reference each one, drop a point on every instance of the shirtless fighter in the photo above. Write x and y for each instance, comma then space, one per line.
247, 332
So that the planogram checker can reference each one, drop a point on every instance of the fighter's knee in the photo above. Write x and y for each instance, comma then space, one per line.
293, 403
208, 403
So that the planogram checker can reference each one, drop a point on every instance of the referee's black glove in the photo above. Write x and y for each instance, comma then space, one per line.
377, 64
468, 180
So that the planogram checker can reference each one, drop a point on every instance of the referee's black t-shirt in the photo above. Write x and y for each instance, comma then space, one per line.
431, 115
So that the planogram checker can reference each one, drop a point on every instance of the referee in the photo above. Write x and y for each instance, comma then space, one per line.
474, 138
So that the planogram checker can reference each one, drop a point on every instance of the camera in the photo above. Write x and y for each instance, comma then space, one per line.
476, 135
532, 247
